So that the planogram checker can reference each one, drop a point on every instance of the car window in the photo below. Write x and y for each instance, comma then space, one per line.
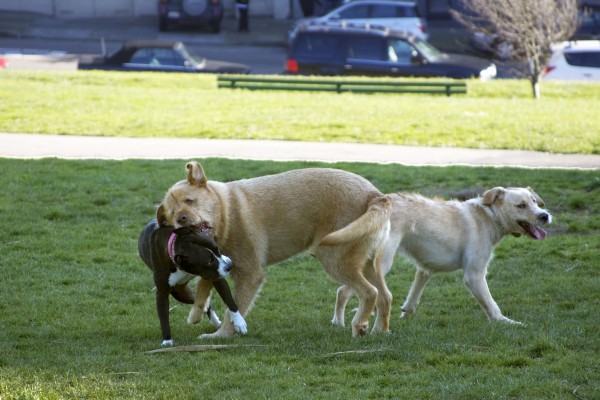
406, 12
143, 56
364, 48
400, 51
391, 11
168, 57
355, 11
583, 59
321, 46
383, 11
426, 49
157, 56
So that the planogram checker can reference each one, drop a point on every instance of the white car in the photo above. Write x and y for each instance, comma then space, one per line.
576, 60
395, 15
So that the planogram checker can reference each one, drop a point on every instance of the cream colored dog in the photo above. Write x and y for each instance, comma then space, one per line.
446, 236
339, 216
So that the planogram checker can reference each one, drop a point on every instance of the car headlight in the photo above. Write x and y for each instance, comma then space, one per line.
488, 73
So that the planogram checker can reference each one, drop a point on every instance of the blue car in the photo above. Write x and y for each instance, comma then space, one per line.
376, 51
159, 56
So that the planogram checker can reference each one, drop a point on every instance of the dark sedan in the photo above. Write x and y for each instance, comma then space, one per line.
372, 51
159, 56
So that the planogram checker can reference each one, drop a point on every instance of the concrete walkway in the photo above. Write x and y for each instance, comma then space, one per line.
93, 147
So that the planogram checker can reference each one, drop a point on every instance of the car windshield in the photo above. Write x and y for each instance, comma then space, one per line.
426, 49
189, 56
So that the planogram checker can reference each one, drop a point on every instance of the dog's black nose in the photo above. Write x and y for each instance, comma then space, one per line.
543, 217
182, 219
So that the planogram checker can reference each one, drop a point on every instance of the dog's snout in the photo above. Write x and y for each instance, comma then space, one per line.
544, 217
182, 219
225, 265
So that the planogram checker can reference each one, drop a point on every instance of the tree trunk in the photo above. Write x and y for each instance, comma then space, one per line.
535, 86
534, 78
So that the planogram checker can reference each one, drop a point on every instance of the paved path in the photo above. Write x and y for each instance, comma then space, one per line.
93, 147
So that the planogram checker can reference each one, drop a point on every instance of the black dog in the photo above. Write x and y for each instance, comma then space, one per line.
175, 256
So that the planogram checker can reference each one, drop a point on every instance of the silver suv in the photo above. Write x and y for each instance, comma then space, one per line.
395, 15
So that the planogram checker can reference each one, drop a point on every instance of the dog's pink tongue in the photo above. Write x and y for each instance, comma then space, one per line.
538, 233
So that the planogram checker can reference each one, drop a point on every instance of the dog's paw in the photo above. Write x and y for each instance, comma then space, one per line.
239, 323
509, 321
194, 316
226, 330
206, 336
213, 318
337, 322
167, 343
179, 278
214, 335
360, 330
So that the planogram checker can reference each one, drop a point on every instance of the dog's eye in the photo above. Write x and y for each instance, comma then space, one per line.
189, 202
522, 205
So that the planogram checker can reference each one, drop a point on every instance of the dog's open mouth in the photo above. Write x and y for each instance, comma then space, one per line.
202, 227
535, 232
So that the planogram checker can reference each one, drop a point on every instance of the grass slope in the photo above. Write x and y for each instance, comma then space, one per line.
498, 114
77, 313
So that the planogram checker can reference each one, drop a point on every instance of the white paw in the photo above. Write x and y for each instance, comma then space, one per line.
167, 343
206, 336
213, 318
511, 322
336, 322
406, 312
239, 323
179, 277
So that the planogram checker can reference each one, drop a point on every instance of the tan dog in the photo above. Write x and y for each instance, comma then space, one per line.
265, 220
446, 236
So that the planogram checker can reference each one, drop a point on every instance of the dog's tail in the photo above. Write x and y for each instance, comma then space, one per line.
374, 221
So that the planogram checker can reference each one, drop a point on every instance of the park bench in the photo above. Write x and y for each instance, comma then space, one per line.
341, 85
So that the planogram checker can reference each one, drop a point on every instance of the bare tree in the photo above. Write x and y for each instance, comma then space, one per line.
528, 27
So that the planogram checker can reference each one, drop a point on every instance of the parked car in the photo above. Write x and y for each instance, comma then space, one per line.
495, 45
397, 15
578, 60
588, 16
190, 12
377, 52
156, 55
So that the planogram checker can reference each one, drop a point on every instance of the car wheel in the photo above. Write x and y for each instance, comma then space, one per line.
163, 24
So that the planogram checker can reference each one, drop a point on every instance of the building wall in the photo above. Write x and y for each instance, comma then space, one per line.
41, 6
132, 8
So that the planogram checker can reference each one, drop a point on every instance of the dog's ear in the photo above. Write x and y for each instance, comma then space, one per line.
196, 176
161, 217
493, 195
537, 198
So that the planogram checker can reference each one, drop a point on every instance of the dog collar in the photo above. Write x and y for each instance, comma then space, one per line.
171, 247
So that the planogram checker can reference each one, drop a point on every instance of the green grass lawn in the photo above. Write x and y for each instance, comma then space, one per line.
499, 114
77, 312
